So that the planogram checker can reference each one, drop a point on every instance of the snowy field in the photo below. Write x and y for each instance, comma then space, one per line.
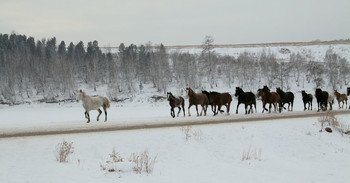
312, 52
286, 150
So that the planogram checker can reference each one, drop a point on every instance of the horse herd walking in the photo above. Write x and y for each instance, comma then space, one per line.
216, 100
277, 100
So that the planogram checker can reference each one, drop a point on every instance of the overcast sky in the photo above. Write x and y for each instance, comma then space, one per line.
177, 22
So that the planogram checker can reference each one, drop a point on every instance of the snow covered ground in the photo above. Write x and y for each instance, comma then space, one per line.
286, 150
283, 150
312, 52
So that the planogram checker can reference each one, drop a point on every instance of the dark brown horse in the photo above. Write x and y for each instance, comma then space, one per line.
341, 98
176, 102
269, 97
197, 99
247, 98
286, 98
307, 99
219, 99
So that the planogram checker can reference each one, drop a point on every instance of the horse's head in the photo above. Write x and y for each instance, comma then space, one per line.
303, 93
189, 91
260, 93
336, 92
169, 94
348, 91
266, 88
79, 95
238, 91
318, 91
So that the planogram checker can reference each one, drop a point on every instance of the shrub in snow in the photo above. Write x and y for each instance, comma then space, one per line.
143, 162
251, 154
190, 132
111, 164
63, 150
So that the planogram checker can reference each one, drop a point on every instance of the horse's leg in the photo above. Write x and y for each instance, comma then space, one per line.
88, 116
189, 112
221, 111
263, 106
172, 113
99, 114
213, 109
197, 110
178, 113
311, 105
228, 108
245, 108
183, 108
105, 110
237, 107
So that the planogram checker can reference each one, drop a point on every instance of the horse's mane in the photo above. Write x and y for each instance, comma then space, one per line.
214, 92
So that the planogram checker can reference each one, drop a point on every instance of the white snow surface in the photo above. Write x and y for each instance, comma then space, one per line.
312, 52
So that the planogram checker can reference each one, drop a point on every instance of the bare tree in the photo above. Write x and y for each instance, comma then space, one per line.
207, 54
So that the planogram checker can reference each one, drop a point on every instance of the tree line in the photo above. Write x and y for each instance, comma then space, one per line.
47, 69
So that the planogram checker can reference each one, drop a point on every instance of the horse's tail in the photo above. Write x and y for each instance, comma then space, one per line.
106, 102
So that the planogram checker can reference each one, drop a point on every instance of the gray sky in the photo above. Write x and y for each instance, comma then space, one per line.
177, 22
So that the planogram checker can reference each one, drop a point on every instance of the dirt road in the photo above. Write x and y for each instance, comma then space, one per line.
156, 123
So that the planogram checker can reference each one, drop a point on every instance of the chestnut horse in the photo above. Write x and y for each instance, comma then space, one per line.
219, 99
176, 102
269, 97
197, 99
341, 98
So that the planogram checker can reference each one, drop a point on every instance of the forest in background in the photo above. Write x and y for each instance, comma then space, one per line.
46, 69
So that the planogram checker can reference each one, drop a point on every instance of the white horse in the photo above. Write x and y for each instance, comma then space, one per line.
93, 103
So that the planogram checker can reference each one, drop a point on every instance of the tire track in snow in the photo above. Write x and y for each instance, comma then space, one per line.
155, 123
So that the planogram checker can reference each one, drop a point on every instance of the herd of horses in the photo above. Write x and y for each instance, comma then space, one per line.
216, 100
276, 99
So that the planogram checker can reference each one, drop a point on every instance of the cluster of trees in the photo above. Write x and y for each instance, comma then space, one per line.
43, 68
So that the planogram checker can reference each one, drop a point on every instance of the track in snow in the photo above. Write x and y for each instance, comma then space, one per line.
155, 123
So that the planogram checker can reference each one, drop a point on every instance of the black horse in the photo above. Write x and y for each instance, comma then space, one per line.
286, 98
322, 99
247, 98
175, 102
307, 99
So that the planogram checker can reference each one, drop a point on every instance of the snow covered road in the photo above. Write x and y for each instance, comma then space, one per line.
152, 123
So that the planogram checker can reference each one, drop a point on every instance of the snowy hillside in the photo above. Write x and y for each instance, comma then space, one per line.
282, 52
